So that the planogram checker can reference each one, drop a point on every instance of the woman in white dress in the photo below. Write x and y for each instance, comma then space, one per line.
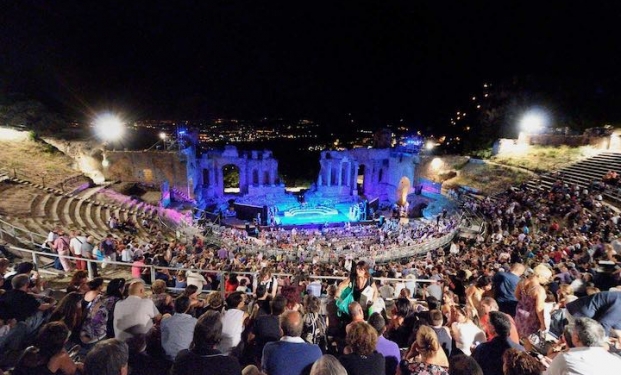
464, 331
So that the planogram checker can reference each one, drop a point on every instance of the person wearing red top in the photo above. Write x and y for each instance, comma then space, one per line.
231, 284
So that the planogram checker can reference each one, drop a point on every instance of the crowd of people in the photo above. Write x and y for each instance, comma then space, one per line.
538, 293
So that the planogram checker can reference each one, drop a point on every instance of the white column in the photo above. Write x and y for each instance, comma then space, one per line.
340, 173
329, 179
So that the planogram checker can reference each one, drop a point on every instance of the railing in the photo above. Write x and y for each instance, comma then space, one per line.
39, 263
21, 234
36, 239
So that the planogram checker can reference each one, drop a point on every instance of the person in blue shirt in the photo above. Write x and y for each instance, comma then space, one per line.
505, 284
291, 355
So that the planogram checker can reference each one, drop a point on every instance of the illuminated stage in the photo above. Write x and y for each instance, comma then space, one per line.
317, 214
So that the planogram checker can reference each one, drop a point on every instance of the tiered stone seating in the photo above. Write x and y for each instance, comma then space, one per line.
585, 172
38, 209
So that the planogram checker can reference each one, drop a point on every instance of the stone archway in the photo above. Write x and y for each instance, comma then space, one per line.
231, 179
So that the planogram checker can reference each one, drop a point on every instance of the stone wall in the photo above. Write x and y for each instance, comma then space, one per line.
382, 171
151, 167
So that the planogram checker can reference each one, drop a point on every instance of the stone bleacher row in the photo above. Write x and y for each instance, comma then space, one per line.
49, 207
584, 173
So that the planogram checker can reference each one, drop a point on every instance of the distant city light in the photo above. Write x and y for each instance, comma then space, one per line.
474, 98
109, 127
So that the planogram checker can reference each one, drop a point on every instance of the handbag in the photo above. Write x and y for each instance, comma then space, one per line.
347, 297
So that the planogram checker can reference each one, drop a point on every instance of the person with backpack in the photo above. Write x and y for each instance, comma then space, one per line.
314, 330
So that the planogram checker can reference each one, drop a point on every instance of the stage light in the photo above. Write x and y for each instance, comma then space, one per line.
533, 122
109, 127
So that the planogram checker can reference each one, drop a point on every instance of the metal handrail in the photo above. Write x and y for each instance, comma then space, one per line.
37, 255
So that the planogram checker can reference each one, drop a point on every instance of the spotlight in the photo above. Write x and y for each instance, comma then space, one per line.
109, 127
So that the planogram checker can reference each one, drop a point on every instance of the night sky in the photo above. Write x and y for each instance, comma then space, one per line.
380, 61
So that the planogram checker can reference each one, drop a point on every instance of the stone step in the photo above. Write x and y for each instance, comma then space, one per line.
51, 211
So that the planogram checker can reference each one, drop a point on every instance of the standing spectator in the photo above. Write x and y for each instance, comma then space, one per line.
108, 248
291, 355
505, 284
61, 246
265, 278
48, 245
177, 331
75, 244
489, 354
531, 295
86, 250
202, 358
314, 331
138, 266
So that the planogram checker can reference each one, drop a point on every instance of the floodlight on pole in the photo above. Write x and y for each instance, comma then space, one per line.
109, 127
533, 122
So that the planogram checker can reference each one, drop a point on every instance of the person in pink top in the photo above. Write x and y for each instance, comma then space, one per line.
61, 245
138, 267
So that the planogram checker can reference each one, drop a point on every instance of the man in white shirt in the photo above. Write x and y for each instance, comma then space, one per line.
133, 318
75, 244
49, 241
588, 355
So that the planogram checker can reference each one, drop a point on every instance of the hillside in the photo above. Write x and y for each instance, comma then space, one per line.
32, 159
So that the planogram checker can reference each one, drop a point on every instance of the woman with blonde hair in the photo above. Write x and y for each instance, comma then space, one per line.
531, 296
328, 365
432, 360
